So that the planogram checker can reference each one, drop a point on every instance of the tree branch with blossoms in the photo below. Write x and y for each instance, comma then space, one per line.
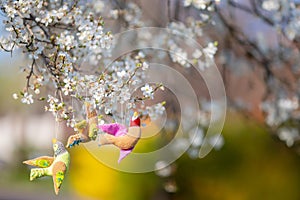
70, 49
58, 37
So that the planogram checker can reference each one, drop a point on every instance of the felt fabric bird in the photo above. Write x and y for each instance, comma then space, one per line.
56, 166
86, 130
118, 135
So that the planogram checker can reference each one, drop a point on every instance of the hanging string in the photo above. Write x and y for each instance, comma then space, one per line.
73, 113
72, 103
122, 114
56, 125
86, 94
86, 99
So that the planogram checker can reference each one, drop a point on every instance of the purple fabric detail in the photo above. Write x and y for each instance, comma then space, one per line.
113, 129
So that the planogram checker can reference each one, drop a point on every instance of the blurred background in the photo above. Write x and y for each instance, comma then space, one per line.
253, 162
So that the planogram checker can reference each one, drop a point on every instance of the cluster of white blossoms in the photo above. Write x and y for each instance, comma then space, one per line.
197, 137
278, 11
281, 106
199, 4
132, 15
289, 135
58, 37
156, 110
271, 5
282, 114
201, 58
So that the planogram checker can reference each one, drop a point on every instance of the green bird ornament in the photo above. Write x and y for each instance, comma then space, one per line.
56, 166
86, 130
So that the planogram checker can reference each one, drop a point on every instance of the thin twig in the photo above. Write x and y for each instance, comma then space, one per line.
30, 74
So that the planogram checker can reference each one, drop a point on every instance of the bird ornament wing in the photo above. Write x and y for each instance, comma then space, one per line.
58, 174
42, 161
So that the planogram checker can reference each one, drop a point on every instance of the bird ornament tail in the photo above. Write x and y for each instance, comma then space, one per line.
37, 173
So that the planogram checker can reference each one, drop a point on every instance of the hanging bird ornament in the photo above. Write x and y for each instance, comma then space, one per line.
86, 129
114, 133
56, 166
123, 138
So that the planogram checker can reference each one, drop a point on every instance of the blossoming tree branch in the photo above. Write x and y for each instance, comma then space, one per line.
57, 37
69, 45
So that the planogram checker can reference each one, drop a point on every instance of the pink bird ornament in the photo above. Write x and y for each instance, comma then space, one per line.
123, 138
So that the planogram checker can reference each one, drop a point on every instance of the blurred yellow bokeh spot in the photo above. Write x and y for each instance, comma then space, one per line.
89, 177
